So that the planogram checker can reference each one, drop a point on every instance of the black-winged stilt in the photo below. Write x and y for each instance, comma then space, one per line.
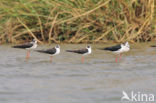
153, 45
28, 46
52, 51
118, 49
84, 52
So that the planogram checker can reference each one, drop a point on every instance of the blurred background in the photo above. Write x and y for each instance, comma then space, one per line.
77, 21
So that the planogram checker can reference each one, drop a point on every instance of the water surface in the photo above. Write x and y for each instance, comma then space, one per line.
67, 80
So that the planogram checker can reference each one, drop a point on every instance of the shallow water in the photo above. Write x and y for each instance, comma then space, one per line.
66, 80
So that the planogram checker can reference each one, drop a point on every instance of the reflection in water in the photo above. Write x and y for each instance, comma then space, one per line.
67, 80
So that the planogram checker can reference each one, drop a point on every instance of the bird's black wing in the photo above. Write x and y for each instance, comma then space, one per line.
48, 51
23, 46
82, 51
113, 48
153, 45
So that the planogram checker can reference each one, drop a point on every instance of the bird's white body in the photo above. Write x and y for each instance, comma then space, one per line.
34, 46
89, 51
57, 51
124, 48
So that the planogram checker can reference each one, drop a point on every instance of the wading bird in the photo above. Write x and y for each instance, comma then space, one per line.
118, 49
52, 51
153, 45
28, 46
84, 52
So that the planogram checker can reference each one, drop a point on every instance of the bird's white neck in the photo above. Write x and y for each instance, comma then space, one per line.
89, 50
34, 45
57, 50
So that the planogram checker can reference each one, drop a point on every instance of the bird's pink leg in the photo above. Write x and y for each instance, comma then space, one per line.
120, 57
116, 59
82, 59
28, 55
51, 57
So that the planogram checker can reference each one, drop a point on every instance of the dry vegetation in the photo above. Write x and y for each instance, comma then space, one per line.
77, 21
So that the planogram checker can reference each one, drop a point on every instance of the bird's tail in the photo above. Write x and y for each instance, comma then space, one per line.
69, 51
41, 51
14, 46
107, 48
17, 46
104, 48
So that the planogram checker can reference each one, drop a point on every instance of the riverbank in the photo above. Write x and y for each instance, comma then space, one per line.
83, 21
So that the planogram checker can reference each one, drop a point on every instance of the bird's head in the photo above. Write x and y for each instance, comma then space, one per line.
88, 47
57, 46
127, 44
34, 41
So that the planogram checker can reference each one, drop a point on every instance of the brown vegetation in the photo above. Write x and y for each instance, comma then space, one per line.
77, 21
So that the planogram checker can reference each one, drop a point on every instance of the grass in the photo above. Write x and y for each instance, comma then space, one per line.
77, 21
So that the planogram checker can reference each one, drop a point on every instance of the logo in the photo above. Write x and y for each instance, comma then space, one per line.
137, 97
